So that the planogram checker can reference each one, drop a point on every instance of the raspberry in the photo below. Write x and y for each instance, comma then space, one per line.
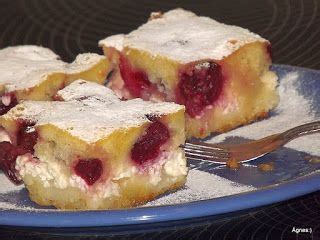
89, 170
200, 87
147, 147
136, 82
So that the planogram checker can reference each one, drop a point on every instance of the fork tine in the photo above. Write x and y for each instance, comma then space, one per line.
203, 158
197, 152
205, 154
200, 159
211, 153
201, 151
201, 145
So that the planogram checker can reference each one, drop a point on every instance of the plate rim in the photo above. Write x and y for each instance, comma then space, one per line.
143, 215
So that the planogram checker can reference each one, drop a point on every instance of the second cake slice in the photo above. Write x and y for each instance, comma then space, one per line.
219, 72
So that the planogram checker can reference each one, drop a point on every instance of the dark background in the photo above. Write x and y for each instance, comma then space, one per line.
69, 27
72, 26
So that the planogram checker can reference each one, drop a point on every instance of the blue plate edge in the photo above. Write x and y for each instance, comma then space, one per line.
204, 208
227, 204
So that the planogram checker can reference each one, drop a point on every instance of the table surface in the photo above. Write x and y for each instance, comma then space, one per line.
74, 26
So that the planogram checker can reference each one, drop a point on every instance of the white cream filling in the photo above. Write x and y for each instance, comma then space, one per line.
176, 164
126, 173
54, 174
6, 100
172, 164
4, 136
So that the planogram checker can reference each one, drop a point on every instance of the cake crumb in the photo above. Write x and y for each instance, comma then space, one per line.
233, 164
155, 15
312, 159
233, 41
266, 167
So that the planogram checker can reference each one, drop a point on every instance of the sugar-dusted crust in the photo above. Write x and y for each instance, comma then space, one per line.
184, 37
92, 120
83, 90
24, 67
115, 41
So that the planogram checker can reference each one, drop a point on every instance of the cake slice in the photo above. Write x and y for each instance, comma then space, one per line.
86, 92
89, 154
36, 73
219, 72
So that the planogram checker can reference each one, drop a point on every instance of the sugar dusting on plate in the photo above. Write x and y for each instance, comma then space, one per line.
293, 110
201, 185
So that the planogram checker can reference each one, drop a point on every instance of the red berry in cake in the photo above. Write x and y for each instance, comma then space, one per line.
8, 155
89, 170
135, 81
147, 147
27, 137
200, 87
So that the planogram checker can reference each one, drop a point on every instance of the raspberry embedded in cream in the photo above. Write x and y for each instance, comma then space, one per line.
136, 81
26, 139
147, 147
8, 156
199, 86
89, 170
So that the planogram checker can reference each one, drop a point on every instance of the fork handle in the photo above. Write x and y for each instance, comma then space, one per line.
305, 129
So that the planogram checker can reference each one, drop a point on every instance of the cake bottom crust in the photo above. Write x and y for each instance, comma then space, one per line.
134, 191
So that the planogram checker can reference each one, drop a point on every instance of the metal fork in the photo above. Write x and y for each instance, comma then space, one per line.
221, 153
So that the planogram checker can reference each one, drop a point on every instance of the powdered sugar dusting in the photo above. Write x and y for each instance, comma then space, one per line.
7, 186
92, 118
29, 110
82, 90
8, 189
184, 37
200, 186
115, 41
23, 67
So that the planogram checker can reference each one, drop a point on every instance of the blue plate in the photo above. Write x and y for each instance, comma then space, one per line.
293, 176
